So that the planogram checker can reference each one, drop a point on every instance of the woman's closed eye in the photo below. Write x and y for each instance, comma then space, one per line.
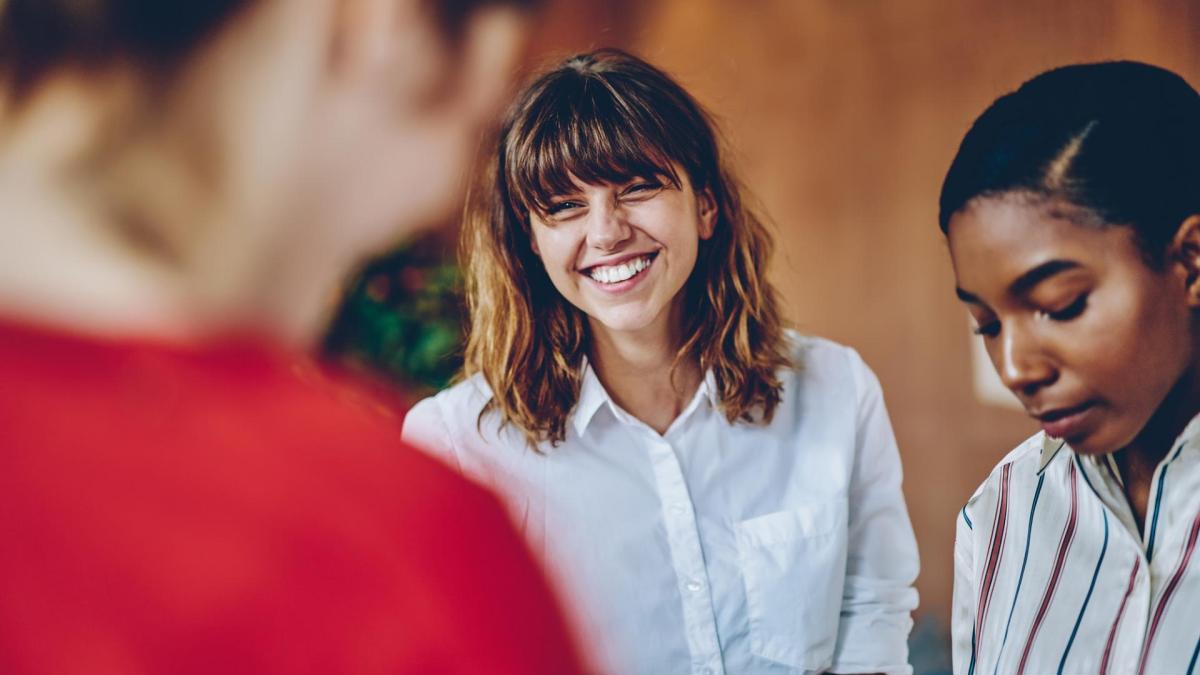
991, 327
1070, 311
564, 207
987, 329
641, 189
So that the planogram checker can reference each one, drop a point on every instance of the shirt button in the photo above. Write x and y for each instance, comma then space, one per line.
694, 586
677, 510
709, 671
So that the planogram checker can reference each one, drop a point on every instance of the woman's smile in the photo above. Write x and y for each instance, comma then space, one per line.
622, 275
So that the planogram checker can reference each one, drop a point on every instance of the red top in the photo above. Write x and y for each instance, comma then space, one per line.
219, 510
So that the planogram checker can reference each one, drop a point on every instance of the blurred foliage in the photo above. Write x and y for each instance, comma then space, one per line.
403, 317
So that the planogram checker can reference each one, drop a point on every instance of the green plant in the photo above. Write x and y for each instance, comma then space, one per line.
403, 317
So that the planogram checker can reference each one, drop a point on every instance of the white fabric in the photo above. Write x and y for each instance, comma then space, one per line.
715, 547
1052, 576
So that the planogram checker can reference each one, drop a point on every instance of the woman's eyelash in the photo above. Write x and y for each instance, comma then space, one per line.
1070, 311
992, 328
989, 329
642, 186
559, 207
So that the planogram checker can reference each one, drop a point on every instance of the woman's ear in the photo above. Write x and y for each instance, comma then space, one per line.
707, 210
1186, 250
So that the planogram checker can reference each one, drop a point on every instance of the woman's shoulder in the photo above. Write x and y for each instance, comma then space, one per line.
820, 363
450, 409
1022, 464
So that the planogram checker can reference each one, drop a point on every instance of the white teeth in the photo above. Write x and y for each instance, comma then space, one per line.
617, 273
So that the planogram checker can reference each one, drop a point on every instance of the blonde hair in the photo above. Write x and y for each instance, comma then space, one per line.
607, 116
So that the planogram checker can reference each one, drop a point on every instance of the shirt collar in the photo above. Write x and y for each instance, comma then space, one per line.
593, 396
1051, 446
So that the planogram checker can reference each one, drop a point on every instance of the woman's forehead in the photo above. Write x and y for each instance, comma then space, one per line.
993, 242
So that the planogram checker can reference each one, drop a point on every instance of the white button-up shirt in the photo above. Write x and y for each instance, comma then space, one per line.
715, 547
1052, 575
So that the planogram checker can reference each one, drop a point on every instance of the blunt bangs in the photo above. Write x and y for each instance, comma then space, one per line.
596, 128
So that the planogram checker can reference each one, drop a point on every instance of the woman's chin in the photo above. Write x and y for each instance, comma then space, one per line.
624, 322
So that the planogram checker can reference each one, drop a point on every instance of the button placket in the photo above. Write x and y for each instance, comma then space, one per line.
688, 557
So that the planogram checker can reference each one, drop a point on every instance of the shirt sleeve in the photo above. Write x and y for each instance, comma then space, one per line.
425, 428
962, 614
882, 560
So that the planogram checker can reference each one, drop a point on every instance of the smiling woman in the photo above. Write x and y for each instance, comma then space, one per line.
1073, 221
718, 495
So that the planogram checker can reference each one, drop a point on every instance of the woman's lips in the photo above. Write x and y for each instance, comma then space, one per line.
1067, 422
625, 285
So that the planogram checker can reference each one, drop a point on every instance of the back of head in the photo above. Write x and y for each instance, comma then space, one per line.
1116, 140
213, 145
40, 36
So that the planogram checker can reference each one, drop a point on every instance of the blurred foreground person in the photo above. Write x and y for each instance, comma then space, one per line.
183, 186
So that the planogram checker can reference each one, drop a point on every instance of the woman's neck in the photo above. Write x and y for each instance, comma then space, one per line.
137, 238
61, 262
640, 373
1139, 460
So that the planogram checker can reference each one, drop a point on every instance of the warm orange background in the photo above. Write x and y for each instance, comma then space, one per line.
843, 116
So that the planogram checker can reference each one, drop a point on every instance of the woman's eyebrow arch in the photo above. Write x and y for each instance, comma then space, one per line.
1030, 279
1027, 281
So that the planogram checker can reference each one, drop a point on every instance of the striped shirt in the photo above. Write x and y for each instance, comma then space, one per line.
1051, 574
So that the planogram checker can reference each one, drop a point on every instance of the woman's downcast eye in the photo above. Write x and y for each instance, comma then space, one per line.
987, 329
991, 328
1074, 309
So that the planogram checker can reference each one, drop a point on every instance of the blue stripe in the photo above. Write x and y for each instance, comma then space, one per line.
1192, 663
971, 668
1087, 480
967, 518
1162, 480
1020, 577
1088, 597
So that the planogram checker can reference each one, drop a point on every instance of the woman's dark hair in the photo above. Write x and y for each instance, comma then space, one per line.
39, 36
1119, 142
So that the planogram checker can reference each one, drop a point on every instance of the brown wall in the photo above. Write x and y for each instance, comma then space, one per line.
843, 115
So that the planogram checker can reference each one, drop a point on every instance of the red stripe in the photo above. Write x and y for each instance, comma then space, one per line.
1112, 633
995, 551
1169, 591
1064, 546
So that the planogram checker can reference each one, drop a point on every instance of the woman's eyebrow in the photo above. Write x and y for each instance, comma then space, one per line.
1026, 282
1031, 278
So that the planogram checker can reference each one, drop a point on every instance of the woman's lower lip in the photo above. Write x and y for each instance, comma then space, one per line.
1071, 425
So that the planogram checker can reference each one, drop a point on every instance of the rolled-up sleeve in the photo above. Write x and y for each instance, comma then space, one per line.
882, 560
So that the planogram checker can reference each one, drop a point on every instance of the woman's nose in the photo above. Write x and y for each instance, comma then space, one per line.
607, 227
1023, 364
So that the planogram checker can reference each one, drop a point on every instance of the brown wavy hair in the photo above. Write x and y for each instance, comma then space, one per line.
605, 117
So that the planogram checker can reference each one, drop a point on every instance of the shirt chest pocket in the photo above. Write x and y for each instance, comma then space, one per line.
793, 566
